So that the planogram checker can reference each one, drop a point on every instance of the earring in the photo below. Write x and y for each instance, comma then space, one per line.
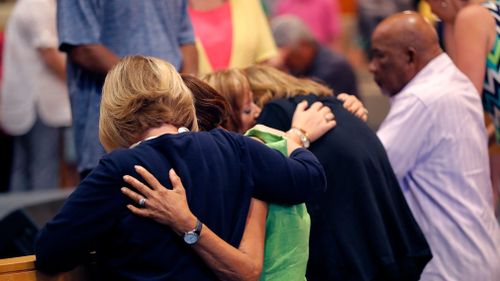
444, 4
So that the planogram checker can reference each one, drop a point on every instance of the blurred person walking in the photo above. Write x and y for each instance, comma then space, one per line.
34, 103
95, 34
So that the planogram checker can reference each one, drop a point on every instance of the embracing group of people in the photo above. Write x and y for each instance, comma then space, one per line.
182, 195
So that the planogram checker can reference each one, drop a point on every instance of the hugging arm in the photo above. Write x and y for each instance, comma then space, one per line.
170, 207
354, 106
87, 216
314, 120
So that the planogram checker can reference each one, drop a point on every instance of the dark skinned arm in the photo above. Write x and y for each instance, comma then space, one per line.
189, 59
95, 58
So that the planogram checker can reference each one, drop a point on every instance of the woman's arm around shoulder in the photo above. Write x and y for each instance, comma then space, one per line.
170, 207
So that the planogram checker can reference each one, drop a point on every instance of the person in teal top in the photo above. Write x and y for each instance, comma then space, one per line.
491, 86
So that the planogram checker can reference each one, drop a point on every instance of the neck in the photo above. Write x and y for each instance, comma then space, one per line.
432, 53
163, 129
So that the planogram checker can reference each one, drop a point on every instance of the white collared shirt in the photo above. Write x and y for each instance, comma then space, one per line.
29, 87
436, 141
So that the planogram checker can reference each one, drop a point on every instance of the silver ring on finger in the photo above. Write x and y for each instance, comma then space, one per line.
365, 111
142, 202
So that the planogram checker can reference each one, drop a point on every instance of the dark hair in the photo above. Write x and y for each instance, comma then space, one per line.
211, 107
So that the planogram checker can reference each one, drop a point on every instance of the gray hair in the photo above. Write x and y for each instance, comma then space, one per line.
289, 30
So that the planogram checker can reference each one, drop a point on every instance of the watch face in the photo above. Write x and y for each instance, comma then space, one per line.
190, 238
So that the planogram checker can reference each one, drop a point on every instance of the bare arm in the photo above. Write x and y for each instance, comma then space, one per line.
170, 207
244, 263
189, 59
95, 58
474, 33
55, 61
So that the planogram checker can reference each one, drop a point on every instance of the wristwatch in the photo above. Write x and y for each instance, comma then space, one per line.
191, 237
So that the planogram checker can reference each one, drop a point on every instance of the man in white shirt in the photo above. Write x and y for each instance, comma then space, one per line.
34, 100
436, 142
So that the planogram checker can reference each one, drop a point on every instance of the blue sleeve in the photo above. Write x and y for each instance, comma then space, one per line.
186, 33
278, 179
88, 215
78, 23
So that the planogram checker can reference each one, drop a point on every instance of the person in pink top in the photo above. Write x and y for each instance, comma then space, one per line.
321, 16
230, 34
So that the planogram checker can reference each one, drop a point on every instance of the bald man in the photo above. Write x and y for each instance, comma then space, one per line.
437, 144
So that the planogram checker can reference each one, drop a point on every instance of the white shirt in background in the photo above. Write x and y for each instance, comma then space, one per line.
436, 141
29, 87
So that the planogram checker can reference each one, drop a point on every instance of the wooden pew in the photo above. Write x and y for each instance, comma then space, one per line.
23, 269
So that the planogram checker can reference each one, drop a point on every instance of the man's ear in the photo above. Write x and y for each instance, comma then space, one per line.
411, 55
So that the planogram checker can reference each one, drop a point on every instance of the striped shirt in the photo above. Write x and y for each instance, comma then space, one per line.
435, 137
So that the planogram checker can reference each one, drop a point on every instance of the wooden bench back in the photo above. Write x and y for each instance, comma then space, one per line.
23, 269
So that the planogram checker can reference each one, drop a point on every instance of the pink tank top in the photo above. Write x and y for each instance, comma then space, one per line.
214, 29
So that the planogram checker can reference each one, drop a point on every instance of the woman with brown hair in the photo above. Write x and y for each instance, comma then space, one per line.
146, 111
212, 109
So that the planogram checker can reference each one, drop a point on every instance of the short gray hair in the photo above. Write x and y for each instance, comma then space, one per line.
289, 30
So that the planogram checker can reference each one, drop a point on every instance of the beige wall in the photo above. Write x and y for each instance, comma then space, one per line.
5, 9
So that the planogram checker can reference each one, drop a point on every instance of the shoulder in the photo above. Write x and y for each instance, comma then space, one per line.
474, 15
222, 138
120, 160
471, 12
284, 105
428, 87
279, 103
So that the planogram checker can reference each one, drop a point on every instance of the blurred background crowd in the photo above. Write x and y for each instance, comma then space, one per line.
342, 29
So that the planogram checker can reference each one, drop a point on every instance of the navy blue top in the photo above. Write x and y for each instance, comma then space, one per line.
220, 170
361, 227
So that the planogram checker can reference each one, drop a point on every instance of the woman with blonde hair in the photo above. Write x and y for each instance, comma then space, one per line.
361, 227
146, 115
